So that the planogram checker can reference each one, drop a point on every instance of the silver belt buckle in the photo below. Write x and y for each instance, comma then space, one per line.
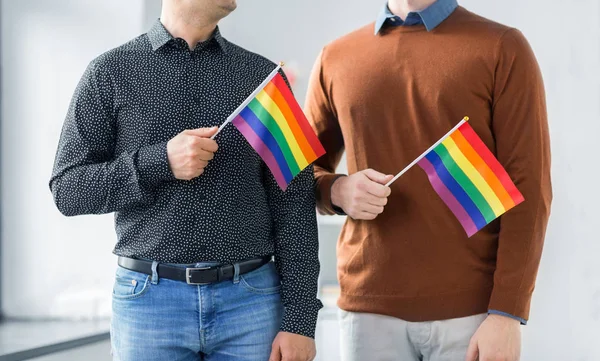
188, 276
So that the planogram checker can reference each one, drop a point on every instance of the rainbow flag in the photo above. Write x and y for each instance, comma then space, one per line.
469, 179
275, 126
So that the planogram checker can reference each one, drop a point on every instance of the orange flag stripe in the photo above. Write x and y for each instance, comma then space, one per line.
283, 106
486, 172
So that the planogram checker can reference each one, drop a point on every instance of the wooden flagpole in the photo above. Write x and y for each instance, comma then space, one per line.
249, 99
463, 121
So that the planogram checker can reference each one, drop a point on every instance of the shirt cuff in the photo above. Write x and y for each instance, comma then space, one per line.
496, 312
153, 165
301, 319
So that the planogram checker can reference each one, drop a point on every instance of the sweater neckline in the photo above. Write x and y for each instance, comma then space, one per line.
403, 29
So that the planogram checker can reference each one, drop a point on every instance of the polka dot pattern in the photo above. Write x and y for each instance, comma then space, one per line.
112, 157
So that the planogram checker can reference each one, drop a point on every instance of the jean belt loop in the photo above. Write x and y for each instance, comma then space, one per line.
236, 274
154, 273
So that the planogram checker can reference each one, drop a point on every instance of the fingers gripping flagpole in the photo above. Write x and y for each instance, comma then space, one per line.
463, 121
249, 99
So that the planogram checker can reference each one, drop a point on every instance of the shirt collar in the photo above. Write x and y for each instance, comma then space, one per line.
159, 36
431, 16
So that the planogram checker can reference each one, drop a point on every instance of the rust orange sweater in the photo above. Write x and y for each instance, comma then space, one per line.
385, 99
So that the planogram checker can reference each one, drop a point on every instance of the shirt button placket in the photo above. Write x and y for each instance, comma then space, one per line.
192, 96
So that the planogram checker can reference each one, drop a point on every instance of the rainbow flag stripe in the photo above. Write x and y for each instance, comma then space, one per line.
470, 180
275, 126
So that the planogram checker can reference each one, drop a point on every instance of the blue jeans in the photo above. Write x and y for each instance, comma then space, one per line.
157, 319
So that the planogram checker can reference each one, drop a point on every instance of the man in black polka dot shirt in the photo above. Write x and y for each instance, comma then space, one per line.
197, 220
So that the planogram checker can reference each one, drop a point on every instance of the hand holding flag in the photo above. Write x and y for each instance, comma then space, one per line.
273, 123
362, 195
190, 151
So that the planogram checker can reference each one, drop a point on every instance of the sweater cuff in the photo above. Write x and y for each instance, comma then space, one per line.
512, 303
500, 313
324, 185
153, 165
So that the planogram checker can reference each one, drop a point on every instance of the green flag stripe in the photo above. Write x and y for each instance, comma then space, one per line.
270, 123
465, 183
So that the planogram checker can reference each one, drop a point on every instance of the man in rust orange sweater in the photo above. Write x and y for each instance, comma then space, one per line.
413, 285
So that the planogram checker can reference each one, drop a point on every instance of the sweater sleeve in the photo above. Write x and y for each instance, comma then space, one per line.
520, 128
321, 114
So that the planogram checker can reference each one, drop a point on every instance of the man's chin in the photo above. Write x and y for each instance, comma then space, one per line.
229, 6
226, 10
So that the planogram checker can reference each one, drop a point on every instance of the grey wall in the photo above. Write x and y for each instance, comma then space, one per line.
51, 266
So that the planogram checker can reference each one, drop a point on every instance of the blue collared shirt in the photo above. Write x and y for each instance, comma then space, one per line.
431, 17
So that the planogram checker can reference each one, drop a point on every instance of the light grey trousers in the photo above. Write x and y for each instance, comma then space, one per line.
371, 337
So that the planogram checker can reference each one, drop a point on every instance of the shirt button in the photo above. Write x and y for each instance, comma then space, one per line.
393, 19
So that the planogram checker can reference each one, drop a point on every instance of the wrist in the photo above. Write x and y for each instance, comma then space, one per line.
337, 191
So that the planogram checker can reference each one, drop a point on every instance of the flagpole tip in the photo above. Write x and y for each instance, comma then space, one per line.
281, 63
466, 118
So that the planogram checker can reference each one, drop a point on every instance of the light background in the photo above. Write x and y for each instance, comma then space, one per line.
58, 267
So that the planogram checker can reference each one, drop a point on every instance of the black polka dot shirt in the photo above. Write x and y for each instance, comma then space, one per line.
112, 157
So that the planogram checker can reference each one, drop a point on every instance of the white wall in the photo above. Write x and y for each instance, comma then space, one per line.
565, 318
51, 265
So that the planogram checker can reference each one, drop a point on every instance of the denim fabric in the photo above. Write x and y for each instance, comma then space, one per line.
171, 320
431, 16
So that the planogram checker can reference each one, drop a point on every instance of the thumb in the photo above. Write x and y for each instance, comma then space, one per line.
375, 176
203, 132
275, 352
472, 351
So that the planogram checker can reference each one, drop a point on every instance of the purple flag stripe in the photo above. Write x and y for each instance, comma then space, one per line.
448, 198
261, 148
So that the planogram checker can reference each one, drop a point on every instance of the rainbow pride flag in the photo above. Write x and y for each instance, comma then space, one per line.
469, 179
273, 123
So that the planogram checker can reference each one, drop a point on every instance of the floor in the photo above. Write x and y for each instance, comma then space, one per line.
15, 337
19, 339
96, 352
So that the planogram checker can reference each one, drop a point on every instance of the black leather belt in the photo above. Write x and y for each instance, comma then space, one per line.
193, 275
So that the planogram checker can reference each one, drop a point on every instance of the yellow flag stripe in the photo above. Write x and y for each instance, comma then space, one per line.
265, 100
475, 177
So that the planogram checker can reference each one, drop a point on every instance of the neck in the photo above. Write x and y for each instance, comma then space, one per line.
401, 8
186, 24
